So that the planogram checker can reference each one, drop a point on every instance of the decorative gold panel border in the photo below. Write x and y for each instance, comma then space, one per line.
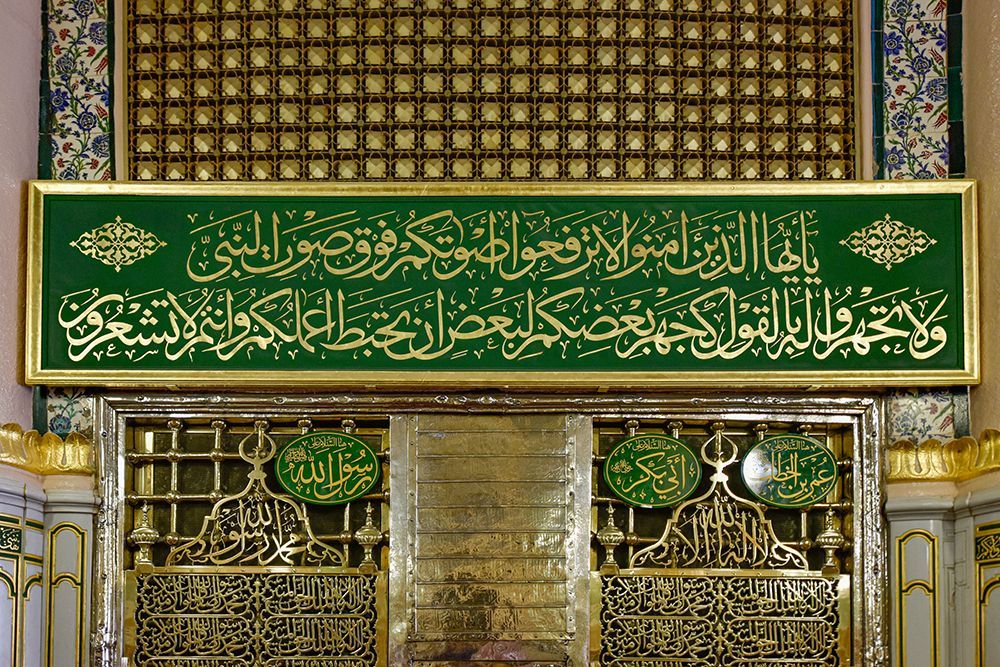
951, 461
987, 553
906, 586
869, 584
445, 380
75, 580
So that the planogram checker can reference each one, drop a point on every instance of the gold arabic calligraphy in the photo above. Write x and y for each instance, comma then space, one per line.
498, 286
327, 468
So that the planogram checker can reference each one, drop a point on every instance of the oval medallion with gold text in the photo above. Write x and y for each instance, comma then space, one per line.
327, 468
789, 471
652, 470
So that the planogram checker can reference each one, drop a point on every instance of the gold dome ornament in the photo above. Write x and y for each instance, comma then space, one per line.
831, 541
144, 536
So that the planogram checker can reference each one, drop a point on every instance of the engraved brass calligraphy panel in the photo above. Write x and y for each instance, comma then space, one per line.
244, 619
751, 619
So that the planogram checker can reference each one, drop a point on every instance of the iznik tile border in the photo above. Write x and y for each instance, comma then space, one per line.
915, 89
918, 129
76, 142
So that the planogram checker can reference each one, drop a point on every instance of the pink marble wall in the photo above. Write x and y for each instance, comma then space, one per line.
982, 96
20, 53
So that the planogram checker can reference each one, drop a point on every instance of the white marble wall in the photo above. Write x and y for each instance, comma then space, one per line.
946, 594
46, 528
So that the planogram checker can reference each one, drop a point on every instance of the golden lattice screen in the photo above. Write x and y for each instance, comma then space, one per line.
490, 89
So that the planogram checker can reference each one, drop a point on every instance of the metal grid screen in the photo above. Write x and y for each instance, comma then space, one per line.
490, 89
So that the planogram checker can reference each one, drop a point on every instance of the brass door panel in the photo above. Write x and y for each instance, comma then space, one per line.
718, 618
507, 546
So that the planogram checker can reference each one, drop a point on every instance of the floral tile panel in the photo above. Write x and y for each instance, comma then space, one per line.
915, 90
920, 415
68, 410
913, 10
79, 104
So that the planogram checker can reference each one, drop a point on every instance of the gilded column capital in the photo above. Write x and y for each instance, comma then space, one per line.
950, 461
46, 454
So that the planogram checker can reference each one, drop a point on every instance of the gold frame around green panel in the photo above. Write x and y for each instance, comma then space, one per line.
392, 380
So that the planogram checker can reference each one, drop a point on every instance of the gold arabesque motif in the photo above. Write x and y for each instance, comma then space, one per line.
888, 242
719, 529
257, 526
118, 243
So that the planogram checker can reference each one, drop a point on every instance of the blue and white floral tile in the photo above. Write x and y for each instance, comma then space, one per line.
920, 415
74, 154
68, 410
915, 10
79, 104
78, 111
917, 155
915, 44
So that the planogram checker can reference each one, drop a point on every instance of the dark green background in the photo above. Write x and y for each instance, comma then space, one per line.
67, 270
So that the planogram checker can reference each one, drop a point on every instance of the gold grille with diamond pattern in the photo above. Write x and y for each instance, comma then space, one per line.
490, 89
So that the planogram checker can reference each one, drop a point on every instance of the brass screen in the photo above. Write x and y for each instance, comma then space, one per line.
490, 89
226, 569
721, 579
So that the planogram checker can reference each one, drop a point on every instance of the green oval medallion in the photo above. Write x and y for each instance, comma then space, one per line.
652, 471
327, 468
789, 471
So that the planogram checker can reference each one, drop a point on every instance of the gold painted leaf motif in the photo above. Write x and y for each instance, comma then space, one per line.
888, 242
118, 243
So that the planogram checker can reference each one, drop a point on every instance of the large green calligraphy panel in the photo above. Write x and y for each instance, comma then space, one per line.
502, 285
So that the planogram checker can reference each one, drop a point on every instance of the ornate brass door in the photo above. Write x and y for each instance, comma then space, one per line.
502, 542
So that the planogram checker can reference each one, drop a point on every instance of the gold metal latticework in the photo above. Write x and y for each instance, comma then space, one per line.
720, 579
255, 585
490, 89
256, 526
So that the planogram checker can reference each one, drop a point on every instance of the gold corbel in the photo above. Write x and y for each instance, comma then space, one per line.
950, 461
46, 454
